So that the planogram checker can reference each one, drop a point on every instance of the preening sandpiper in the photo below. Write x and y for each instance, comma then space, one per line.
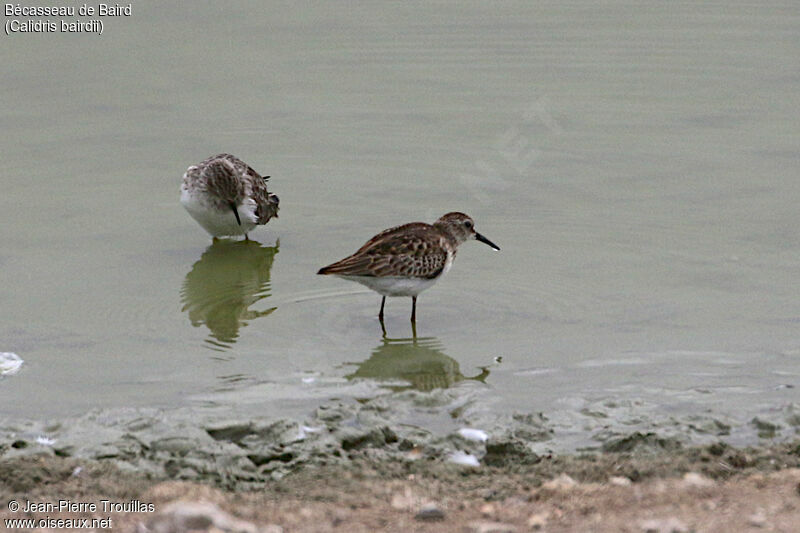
227, 197
406, 260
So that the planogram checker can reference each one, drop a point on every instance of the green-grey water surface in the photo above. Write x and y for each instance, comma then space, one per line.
637, 163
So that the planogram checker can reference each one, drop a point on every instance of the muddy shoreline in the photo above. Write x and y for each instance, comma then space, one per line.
235, 449
360, 465
709, 488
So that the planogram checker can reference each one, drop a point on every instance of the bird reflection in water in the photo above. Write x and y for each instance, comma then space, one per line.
418, 361
223, 284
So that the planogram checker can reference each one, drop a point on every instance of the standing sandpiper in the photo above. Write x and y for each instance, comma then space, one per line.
227, 197
406, 260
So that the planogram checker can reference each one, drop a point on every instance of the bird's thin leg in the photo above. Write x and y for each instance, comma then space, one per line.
414, 332
246, 237
414, 309
380, 314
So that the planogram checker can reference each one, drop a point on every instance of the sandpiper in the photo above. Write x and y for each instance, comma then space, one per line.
227, 197
406, 260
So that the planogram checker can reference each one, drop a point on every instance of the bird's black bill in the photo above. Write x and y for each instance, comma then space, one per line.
484, 240
235, 212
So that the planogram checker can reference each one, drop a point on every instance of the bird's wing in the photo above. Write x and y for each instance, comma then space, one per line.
266, 203
412, 250
248, 182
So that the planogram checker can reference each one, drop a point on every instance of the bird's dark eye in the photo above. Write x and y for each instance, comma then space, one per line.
468, 224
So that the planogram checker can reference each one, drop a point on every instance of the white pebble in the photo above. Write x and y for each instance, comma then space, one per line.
45, 441
10, 363
693, 479
671, 525
477, 435
461, 458
305, 430
561, 483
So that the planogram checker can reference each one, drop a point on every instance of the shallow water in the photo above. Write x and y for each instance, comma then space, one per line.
637, 165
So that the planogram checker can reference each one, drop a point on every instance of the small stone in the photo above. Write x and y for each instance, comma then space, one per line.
403, 501
538, 521
487, 509
663, 525
463, 458
44, 440
620, 481
757, 519
10, 363
185, 516
477, 435
693, 479
429, 513
560, 483
490, 527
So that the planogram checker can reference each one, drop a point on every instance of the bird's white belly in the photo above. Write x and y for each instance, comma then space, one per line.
394, 286
218, 222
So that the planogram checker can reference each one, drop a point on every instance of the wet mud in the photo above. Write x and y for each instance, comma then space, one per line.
213, 446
